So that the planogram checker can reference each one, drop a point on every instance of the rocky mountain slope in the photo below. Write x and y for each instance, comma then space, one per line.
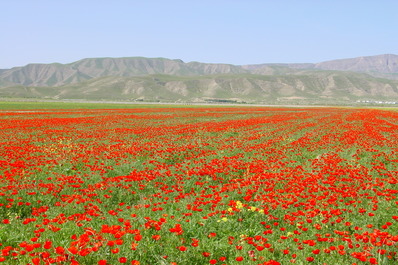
61, 74
385, 65
160, 79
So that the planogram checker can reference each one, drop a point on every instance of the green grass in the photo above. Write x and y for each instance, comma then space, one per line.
42, 105
23, 104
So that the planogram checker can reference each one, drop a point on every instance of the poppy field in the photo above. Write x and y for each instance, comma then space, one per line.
219, 185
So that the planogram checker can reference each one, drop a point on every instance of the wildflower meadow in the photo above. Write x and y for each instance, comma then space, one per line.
200, 185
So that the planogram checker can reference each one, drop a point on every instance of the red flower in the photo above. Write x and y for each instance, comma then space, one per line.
182, 248
212, 235
47, 245
115, 250
373, 261
60, 250
36, 261
73, 250
156, 237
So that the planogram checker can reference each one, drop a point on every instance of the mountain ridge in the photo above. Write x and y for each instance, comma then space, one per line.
56, 74
384, 63
60, 74
162, 79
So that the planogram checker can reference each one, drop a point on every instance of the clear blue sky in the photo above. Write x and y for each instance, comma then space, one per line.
213, 31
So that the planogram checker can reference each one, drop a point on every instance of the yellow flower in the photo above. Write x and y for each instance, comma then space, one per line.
239, 205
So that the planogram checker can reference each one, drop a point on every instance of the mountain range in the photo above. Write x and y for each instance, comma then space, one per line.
370, 78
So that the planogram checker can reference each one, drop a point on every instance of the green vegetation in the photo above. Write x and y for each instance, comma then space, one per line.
37, 105
43, 105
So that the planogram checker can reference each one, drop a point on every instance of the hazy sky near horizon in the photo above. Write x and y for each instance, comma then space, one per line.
212, 31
